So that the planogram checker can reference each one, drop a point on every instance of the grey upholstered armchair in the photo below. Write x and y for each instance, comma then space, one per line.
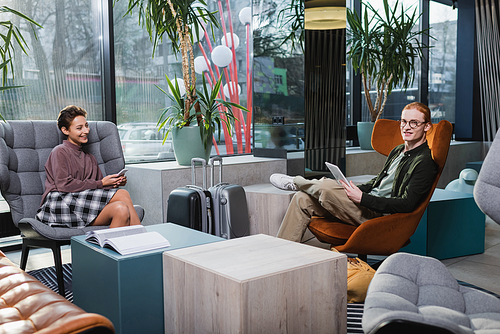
487, 187
417, 294
24, 149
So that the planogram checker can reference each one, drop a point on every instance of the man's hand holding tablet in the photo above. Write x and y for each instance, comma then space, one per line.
353, 192
337, 173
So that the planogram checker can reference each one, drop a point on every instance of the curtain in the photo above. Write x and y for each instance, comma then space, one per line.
488, 48
325, 98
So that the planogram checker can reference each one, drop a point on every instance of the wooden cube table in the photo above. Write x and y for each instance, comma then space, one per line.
255, 284
267, 206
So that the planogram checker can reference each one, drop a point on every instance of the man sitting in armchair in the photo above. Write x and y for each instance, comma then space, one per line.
407, 176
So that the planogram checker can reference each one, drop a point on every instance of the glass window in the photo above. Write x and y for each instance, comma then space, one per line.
63, 65
278, 74
399, 97
139, 102
442, 61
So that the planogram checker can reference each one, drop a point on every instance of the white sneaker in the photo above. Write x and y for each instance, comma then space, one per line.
283, 181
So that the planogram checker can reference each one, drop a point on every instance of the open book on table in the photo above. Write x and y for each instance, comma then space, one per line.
128, 239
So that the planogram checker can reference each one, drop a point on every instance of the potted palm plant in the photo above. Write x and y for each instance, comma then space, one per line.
383, 47
214, 113
10, 35
179, 20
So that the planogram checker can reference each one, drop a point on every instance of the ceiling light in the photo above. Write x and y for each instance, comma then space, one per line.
324, 18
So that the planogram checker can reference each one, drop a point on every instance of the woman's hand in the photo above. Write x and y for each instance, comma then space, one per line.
353, 192
114, 181
123, 182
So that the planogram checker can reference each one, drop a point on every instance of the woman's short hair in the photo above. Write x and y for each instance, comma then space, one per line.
68, 114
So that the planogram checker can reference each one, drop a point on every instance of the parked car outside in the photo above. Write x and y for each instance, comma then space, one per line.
142, 141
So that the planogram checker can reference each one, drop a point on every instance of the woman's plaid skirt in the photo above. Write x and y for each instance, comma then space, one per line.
74, 210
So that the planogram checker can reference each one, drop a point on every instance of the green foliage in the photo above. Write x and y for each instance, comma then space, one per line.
9, 36
212, 111
293, 15
383, 48
158, 19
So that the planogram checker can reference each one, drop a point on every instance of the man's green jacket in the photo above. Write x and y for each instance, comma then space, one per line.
413, 180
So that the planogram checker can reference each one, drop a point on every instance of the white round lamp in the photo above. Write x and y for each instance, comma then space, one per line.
222, 56
200, 64
180, 82
226, 89
230, 41
201, 33
245, 15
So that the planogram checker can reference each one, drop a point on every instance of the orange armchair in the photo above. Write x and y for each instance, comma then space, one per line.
387, 234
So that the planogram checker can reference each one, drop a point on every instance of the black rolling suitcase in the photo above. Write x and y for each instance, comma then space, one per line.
229, 206
190, 206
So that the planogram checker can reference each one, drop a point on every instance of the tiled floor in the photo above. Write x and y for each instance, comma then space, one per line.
482, 270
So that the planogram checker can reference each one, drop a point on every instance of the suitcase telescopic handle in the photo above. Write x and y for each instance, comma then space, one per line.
193, 173
211, 162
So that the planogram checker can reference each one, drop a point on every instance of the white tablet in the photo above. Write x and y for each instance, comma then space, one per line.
337, 173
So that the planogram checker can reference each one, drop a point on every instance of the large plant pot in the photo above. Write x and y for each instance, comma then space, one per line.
365, 130
188, 144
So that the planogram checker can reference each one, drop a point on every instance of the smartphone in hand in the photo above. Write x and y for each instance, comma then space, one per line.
122, 172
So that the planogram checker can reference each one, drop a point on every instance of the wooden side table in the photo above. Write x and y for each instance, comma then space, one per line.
267, 206
255, 284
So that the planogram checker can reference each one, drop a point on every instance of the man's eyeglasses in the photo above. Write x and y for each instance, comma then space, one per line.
413, 124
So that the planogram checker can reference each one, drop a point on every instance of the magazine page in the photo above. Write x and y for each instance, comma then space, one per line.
99, 236
136, 243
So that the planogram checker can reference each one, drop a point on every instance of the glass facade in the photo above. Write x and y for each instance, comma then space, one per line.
64, 61
442, 61
399, 97
278, 80
139, 101
64, 66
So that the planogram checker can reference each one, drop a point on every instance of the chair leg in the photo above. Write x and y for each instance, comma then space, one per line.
56, 250
55, 246
24, 255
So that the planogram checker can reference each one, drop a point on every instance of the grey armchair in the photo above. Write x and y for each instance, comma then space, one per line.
417, 294
487, 187
24, 149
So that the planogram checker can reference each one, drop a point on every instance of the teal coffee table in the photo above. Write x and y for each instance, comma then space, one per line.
128, 290
452, 226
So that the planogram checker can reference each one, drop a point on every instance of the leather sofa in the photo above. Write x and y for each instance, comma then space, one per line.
28, 306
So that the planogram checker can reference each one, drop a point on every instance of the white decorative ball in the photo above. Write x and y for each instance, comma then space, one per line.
180, 82
201, 33
226, 89
245, 15
198, 4
229, 40
200, 64
222, 56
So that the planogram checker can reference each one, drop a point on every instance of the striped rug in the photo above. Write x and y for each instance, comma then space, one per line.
48, 277
354, 311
